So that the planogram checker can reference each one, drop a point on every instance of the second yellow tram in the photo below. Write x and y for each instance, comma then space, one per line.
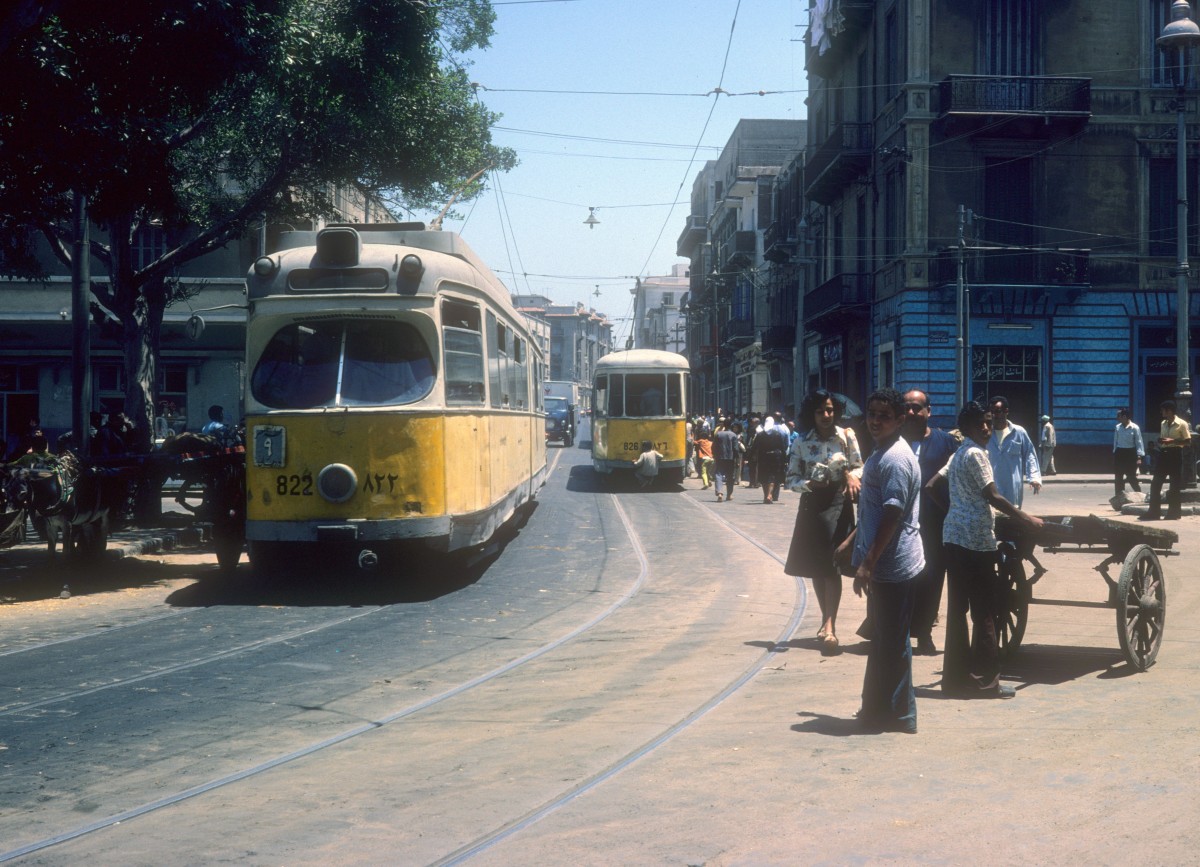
640, 395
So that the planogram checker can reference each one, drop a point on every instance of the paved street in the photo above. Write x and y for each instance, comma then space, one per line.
632, 679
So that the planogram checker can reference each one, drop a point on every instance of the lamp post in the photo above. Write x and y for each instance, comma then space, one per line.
1181, 34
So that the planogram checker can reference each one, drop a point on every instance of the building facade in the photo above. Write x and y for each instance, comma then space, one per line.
1023, 150
658, 311
579, 337
742, 354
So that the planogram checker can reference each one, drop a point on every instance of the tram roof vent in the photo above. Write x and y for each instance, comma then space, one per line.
338, 245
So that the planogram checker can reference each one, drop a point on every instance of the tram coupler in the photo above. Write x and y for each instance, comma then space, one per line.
367, 559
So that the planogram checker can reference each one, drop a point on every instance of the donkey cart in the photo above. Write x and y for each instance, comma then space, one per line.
1139, 593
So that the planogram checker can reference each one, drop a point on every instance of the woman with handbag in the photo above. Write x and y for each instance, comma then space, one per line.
824, 466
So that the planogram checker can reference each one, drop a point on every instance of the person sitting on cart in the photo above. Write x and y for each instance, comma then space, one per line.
967, 487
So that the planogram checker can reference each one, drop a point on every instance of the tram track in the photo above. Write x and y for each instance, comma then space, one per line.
189, 664
630, 591
510, 828
180, 666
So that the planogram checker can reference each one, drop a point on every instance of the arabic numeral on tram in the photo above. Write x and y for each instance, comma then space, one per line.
294, 485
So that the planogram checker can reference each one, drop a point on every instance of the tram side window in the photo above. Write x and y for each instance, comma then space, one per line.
646, 397
298, 368
675, 394
462, 342
616, 396
520, 373
601, 396
386, 363
497, 362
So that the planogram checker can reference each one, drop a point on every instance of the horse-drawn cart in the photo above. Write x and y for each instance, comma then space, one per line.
1138, 593
78, 502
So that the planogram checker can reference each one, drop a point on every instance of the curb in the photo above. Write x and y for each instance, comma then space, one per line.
160, 541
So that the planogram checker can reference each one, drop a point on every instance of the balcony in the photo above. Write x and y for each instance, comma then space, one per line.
856, 19
738, 332
779, 242
779, 338
842, 158
1067, 267
841, 298
745, 247
1015, 105
694, 232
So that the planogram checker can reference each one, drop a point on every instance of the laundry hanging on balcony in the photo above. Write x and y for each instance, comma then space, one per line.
827, 22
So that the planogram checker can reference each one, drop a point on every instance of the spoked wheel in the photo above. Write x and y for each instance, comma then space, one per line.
1141, 606
1017, 592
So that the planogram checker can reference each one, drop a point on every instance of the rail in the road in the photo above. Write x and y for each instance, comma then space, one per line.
629, 593
631, 589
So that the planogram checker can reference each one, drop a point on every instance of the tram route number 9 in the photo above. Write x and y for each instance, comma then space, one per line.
294, 485
636, 448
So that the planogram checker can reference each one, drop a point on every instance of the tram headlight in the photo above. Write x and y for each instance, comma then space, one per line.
411, 267
264, 266
337, 483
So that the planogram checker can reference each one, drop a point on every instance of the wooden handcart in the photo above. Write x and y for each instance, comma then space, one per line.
1138, 593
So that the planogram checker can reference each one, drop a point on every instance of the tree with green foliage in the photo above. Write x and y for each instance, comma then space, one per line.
210, 117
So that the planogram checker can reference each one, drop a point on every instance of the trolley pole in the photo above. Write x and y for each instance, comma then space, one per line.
81, 335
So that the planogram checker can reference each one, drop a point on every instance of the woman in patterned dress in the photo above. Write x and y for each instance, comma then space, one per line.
824, 465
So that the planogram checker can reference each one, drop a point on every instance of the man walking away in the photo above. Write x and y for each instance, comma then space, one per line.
725, 450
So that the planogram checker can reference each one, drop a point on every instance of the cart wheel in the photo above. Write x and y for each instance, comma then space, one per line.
1017, 594
1141, 606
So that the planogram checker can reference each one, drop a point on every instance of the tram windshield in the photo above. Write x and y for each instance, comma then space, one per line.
641, 395
343, 363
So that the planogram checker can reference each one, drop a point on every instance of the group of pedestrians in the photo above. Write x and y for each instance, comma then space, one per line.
900, 546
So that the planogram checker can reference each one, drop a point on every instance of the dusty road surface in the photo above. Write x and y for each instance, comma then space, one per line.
631, 680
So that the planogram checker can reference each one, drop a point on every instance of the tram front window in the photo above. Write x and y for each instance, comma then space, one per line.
644, 396
386, 363
380, 363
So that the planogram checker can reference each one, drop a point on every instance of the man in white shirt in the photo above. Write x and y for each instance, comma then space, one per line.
1128, 451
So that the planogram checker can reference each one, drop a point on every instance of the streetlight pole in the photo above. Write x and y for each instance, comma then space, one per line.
1180, 34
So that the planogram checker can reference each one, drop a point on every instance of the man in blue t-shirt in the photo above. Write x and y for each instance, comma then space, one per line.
887, 557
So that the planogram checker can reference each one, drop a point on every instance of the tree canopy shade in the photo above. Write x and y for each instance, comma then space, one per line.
211, 116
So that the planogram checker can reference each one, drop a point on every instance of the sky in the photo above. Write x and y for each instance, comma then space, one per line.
609, 105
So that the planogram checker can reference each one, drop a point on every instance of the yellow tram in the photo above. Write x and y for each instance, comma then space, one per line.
392, 395
640, 395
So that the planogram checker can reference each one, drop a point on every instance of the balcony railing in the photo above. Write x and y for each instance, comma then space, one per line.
1061, 267
745, 246
988, 98
779, 338
844, 156
738, 332
779, 241
840, 291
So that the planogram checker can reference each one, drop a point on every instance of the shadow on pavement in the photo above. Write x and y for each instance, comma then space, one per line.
308, 576
823, 724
